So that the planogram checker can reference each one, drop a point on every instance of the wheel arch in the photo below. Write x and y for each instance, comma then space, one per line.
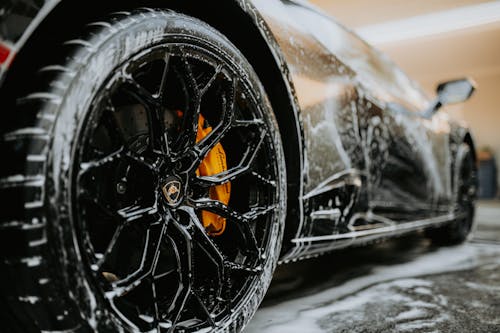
469, 141
238, 24
459, 136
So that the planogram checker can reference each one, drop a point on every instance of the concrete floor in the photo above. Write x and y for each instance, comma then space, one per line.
403, 285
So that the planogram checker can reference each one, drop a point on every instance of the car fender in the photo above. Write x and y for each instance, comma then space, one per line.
30, 17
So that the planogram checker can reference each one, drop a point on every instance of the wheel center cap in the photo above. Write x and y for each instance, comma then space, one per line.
172, 191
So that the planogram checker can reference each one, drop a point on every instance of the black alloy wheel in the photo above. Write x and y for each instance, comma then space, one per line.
466, 193
149, 250
467, 185
125, 197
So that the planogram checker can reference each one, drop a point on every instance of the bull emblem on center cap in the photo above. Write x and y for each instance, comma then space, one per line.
172, 192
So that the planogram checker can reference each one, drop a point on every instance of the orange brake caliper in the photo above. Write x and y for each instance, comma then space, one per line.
214, 163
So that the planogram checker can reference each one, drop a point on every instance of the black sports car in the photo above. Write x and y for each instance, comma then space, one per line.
161, 157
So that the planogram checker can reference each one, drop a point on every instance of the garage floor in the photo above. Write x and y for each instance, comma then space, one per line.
404, 285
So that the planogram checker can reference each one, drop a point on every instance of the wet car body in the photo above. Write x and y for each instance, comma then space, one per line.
363, 160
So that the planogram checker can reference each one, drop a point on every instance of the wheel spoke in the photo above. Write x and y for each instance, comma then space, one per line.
157, 316
220, 209
158, 140
85, 167
192, 85
151, 165
211, 79
207, 245
209, 142
263, 179
204, 309
244, 268
257, 212
154, 236
86, 195
110, 247
248, 123
136, 212
225, 211
248, 235
189, 129
123, 317
139, 93
163, 81
94, 195
184, 254
243, 220
162, 275
113, 157
243, 167
110, 122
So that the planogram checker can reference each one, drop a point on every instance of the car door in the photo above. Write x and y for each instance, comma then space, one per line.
408, 162
399, 164
438, 132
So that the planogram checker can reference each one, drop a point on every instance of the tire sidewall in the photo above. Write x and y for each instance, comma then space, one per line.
86, 72
464, 228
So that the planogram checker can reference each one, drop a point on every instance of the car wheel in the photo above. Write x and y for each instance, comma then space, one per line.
152, 194
466, 180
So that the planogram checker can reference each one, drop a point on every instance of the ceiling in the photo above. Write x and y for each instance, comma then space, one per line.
468, 51
357, 13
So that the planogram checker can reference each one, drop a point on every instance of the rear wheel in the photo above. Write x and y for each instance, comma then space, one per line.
466, 180
162, 194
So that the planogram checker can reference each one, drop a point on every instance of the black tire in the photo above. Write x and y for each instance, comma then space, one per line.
50, 279
466, 179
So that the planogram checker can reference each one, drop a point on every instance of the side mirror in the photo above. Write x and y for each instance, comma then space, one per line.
451, 92
456, 91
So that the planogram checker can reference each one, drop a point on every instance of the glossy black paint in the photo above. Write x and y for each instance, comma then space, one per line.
368, 157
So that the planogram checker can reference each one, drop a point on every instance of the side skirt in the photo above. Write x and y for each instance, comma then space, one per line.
387, 228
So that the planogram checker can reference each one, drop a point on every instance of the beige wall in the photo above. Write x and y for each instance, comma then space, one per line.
356, 13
